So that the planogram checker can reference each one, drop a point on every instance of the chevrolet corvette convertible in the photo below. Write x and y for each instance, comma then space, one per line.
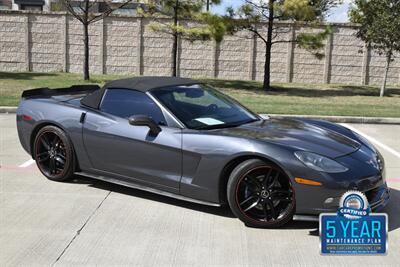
181, 138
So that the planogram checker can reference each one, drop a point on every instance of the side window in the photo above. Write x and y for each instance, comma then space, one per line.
125, 103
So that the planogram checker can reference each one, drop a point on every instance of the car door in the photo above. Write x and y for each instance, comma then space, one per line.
130, 152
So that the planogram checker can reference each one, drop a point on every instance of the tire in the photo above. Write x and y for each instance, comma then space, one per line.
54, 154
260, 194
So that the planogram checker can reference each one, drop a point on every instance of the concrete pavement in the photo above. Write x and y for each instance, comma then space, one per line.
88, 222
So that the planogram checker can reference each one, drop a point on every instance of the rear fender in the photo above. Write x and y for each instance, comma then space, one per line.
33, 114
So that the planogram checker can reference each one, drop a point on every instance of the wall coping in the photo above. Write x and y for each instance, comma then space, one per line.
298, 23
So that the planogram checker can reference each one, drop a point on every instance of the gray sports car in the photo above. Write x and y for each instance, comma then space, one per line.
181, 138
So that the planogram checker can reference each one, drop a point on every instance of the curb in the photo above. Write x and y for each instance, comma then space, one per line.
337, 119
8, 109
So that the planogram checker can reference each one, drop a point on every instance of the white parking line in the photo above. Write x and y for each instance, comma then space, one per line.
27, 163
373, 140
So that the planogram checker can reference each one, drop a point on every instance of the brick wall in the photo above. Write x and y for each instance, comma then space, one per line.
44, 42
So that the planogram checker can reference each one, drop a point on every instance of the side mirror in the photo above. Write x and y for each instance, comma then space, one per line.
143, 120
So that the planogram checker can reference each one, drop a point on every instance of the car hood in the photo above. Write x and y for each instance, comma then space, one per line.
298, 135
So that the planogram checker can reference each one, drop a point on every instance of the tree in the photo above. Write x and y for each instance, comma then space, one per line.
206, 26
251, 15
209, 3
83, 11
379, 28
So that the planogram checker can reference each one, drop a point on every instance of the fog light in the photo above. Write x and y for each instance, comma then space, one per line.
329, 200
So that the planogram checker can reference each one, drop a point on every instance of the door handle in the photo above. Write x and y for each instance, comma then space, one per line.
83, 116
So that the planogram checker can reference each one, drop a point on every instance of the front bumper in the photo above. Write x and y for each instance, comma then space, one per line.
377, 198
361, 176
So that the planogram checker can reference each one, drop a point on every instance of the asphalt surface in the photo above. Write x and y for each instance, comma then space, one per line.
86, 222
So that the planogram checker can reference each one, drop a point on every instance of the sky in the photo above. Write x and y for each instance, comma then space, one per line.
339, 14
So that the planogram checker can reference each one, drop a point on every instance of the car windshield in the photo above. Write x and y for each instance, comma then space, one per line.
201, 107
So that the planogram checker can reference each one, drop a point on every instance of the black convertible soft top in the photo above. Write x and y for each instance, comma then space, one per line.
143, 84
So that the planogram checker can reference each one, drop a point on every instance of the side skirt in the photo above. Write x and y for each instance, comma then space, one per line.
148, 189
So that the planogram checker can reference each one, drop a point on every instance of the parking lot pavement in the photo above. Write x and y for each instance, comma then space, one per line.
90, 222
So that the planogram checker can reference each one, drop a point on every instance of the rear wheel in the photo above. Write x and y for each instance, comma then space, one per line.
54, 154
260, 194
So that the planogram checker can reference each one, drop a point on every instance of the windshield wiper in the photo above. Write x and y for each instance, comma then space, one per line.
217, 126
227, 125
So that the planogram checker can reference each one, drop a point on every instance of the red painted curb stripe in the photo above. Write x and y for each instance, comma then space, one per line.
16, 168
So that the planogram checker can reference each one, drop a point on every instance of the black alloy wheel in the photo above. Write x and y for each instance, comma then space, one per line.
53, 154
263, 195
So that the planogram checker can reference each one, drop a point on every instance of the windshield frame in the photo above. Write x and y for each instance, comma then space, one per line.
212, 127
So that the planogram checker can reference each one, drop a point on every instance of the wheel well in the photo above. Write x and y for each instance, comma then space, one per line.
227, 170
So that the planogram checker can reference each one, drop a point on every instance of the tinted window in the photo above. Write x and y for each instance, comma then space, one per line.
125, 103
201, 107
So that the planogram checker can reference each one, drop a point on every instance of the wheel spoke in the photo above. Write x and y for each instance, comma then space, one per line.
52, 166
265, 210
59, 169
55, 141
45, 153
45, 142
44, 159
273, 182
252, 205
248, 199
272, 208
252, 183
267, 178
59, 160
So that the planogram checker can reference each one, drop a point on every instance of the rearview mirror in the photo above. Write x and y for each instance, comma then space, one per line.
143, 120
194, 93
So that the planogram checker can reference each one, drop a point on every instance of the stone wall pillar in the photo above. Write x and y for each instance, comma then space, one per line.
217, 47
64, 38
252, 57
27, 45
290, 54
328, 59
139, 55
102, 52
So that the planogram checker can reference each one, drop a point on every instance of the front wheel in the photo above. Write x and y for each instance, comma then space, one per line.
260, 194
54, 154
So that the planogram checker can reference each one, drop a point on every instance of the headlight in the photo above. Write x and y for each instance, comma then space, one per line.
319, 163
380, 161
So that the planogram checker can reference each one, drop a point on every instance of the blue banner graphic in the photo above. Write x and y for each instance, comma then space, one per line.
366, 235
353, 229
